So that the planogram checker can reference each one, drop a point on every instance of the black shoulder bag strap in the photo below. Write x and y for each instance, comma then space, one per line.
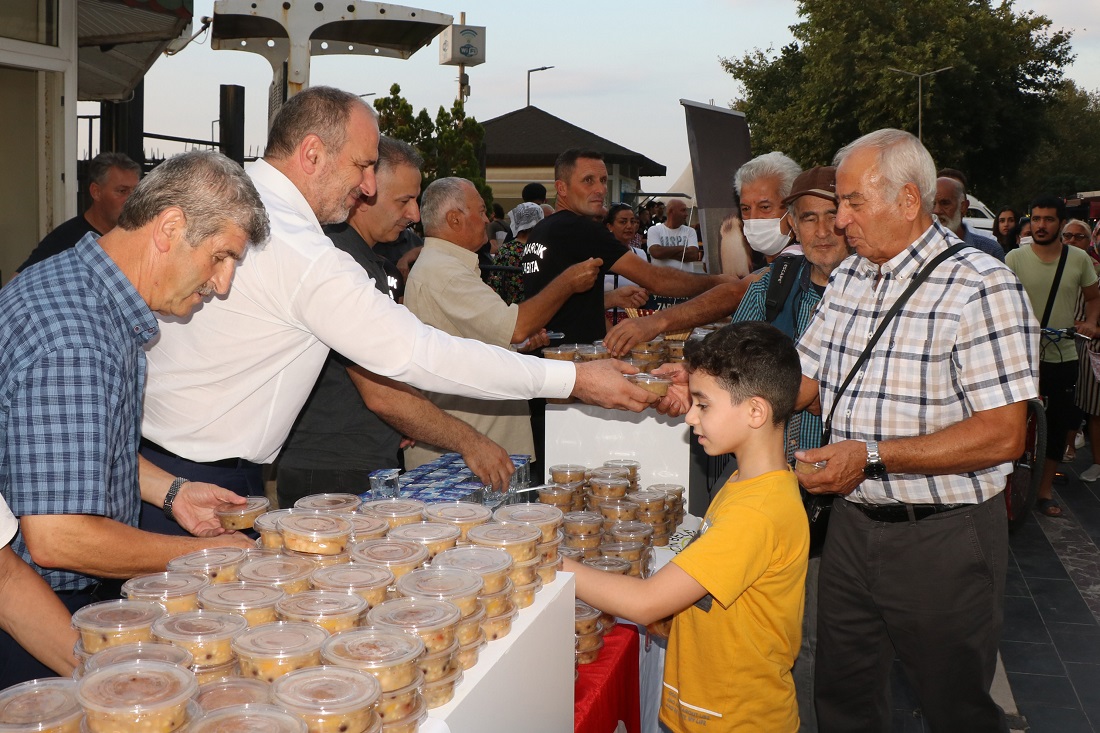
1054, 286
783, 275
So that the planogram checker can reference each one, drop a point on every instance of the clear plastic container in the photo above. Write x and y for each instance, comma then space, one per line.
460, 514
496, 603
524, 572
216, 673
588, 642
47, 705
492, 564
318, 533
402, 702
583, 541
560, 353
329, 503
631, 532
366, 526
436, 665
177, 592
618, 510
630, 551
206, 634
435, 537
267, 525
250, 718
111, 623
587, 618
400, 556
545, 518
469, 627
564, 473
332, 610
650, 383
395, 511
460, 587
253, 601
517, 540
631, 466
242, 516
548, 551
367, 581
614, 565
606, 472
609, 488
573, 553
653, 518
588, 656
592, 353
676, 490
268, 652
152, 650
235, 691
548, 572
330, 699
468, 654
648, 500
554, 495
411, 722
498, 627
442, 691
524, 595
433, 621
320, 561
143, 696
389, 654
582, 522
220, 564
289, 574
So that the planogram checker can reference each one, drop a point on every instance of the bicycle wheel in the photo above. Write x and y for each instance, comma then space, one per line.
1027, 471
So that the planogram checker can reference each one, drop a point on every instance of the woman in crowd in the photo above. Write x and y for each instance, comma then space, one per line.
1076, 233
1023, 232
509, 282
1005, 228
618, 292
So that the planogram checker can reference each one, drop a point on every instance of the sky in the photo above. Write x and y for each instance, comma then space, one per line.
620, 68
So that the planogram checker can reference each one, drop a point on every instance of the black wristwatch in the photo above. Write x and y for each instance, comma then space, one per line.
170, 497
875, 468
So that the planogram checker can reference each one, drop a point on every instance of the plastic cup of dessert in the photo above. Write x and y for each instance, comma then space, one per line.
588, 656
573, 553
809, 467
366, 526
249, 717
288, 574
582, 522
523, 573
608, 488
268, 652
432, 620
395, 511
330, 699
111, 623
631, 532
543, 517
468, 654
253, 601
461, 514
435, 665
435, 537
136, 696
629, 551
47, 705
614, 565
320, 561
560, 353
495, 603
234, 691
400, 703
399, 556
497, 627
648, 500
390, 655
584, 541
564, 473
675, 490
524, 595
318, 533
132, 652
491, 563
588, 642
548, 551
460, 587
650, 383
587, 618
442, 691
216, 673
468, 629
220, 564
267, 525
242, 516
548, 571
329, 503
411, 722
675, 349
517, 540
177, 592
555, 495
367, 581
618, 510
332, 610
206, 634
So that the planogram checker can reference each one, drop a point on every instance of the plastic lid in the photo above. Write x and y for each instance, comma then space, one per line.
386, 551
329, 502
117, 615
558, 537
164, 585
648, 378
315, 525
136, 687
609, 564
584, 612
43, 704
356, 576
583, 517
609, 481
442, 583
646, 496
393, 507
250, 718
481, 560
319, 604
135, 650
532, 513
623, 463
239, 596
457, 512
608, 472
667, 488
278, 569
210, 558
233, 691
251, 504
269, 521
372, 648
340, 558
366, 526
199, 626
568, 468
425, 532
632, 528
503, 535
328, 690
415, 614
280, 639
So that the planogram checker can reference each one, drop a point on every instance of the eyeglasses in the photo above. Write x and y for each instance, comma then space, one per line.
1068, 236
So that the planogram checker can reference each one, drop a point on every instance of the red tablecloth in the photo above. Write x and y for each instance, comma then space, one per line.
607, 690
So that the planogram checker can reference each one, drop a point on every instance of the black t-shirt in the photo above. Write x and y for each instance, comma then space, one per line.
63, 237
335, 430
557, 242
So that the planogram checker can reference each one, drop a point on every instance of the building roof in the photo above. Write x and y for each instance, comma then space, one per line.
531, 137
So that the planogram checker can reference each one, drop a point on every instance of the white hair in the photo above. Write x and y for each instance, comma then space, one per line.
902, 159
770, 165
441, 196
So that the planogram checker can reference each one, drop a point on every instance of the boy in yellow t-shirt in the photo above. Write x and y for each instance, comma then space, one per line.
736, 591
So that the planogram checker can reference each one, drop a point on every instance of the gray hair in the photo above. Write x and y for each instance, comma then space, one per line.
901, 159
441, 196
1084, 225
393, 153
321, 111
101, 165
770, 165
211, 190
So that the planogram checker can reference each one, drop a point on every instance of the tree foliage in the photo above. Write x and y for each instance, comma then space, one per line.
833, 83
452, 144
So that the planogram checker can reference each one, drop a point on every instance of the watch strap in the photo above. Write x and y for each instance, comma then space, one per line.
170, 497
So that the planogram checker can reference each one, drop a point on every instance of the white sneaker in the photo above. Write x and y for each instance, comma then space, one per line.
1079, 441
1091, 473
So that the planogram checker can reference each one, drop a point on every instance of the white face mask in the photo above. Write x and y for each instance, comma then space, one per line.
1026, 241
765, 236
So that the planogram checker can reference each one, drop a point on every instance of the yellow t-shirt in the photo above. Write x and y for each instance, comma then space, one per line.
729, 660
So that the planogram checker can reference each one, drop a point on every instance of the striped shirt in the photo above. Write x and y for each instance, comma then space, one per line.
72, 372
966, 341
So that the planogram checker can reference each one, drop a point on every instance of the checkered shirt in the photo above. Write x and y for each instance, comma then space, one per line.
966, 341
72, 372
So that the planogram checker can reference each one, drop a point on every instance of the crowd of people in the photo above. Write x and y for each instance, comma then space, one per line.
191, 327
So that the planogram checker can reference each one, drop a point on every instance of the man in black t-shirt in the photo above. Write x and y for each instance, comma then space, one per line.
572, 235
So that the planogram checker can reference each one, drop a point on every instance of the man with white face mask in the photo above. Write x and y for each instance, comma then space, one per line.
761, 185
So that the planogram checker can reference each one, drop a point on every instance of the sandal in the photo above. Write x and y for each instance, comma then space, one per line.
1049, 507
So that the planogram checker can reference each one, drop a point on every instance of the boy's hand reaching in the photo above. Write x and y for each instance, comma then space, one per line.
678, 400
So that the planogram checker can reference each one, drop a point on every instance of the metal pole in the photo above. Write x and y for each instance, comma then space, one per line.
529, 87
920, 108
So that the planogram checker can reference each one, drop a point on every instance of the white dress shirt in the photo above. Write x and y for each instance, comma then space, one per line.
229, 381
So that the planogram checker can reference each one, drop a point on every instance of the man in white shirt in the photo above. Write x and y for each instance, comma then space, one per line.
223, 391
674, 243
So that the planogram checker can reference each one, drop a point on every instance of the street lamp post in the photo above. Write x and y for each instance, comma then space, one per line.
529, 72
920, 94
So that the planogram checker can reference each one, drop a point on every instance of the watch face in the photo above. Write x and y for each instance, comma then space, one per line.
874, 470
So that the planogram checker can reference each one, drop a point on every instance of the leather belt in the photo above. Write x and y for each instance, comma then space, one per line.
904, 512
223, 463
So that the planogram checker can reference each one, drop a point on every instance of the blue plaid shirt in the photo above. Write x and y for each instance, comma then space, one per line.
72, 373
